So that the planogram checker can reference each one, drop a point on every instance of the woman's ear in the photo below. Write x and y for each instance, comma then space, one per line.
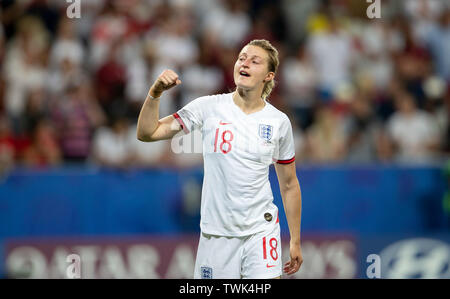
270, 76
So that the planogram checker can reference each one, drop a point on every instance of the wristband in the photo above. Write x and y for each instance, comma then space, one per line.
153, 98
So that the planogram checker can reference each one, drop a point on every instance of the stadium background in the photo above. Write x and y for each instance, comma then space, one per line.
368, 99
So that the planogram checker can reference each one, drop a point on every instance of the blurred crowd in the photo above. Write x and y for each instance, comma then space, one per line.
357, 90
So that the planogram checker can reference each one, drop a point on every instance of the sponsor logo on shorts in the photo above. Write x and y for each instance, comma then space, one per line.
206, 272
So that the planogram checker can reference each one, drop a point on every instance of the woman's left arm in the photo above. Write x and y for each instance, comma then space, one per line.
292, 202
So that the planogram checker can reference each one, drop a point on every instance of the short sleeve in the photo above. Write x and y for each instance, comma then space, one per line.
285, 153
191, 116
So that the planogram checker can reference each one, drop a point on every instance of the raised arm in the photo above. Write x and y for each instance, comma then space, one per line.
149, 127
292, 202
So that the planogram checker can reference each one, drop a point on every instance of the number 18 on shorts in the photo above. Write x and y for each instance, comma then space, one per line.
257, 256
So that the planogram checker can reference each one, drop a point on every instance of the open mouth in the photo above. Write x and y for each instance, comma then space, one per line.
244, 73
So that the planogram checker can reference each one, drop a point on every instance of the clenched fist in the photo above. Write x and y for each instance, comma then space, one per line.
165, 81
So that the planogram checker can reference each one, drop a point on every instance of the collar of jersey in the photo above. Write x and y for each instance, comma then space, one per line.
250, 114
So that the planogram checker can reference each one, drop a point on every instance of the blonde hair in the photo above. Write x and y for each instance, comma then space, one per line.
274, 62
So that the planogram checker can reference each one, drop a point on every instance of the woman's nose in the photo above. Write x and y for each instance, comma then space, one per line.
245, 63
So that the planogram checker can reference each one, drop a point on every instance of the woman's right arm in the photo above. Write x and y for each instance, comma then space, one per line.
149, 127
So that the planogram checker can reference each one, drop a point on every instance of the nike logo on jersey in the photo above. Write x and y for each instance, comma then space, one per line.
223, 123
270, 266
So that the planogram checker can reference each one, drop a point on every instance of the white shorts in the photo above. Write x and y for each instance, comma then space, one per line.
256, 256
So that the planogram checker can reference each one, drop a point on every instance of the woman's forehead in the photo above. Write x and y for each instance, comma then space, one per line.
251, 50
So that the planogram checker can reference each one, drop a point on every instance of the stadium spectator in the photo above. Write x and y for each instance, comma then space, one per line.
36, 109
76, 116
110, 27
299, 84
202, 77
423, 15
24, 66
110, 80
7, 146
414, 133
110, 145
44, 150
438, 41
326, 140
227, 25
174, 40
435, 89
331, 51
362, 130
144, 155
141, 70
67, 57
375, 65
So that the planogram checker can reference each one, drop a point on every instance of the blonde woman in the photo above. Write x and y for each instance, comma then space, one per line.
242, 136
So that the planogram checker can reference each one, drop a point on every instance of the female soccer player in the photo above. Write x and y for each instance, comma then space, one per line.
242, 135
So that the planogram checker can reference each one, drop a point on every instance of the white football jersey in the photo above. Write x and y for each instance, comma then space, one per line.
238, 149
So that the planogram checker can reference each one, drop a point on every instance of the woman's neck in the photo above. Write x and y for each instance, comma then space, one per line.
248, 100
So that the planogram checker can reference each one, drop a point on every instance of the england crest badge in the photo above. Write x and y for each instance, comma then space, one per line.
206, 272
265, 132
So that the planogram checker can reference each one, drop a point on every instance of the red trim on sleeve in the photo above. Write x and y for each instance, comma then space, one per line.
286, 161
180, 121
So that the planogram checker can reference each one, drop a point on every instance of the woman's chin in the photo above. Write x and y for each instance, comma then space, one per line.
243, 86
